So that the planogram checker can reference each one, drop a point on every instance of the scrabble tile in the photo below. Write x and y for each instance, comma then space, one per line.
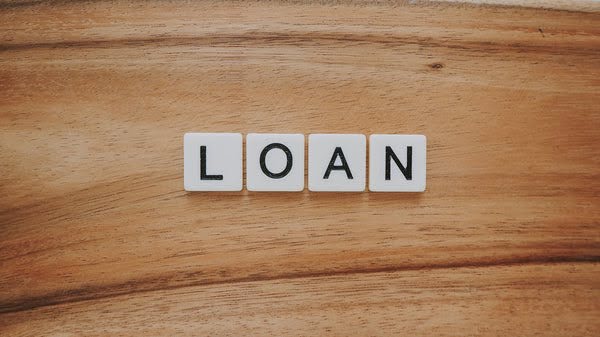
274, 162
212, 161
397, 163
337, 162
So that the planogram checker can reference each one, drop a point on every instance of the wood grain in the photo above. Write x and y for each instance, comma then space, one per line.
99, 238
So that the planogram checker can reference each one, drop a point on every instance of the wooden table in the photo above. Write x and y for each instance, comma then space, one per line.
98, 237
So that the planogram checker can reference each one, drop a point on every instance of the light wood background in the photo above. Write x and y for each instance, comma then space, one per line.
98, 237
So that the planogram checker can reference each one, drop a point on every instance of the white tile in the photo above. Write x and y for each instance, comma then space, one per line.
221, 169
406, 175
348, 170
274, 162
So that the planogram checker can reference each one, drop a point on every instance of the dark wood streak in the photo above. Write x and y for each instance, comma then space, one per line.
309, 39
11, 5
165, 282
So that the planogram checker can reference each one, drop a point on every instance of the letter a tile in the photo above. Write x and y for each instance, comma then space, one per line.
337, 162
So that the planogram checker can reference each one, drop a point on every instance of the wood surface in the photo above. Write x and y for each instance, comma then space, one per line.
98, 237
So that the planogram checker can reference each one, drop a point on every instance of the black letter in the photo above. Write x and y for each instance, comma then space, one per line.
203, 175
406, 171
288, 165
338, 152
